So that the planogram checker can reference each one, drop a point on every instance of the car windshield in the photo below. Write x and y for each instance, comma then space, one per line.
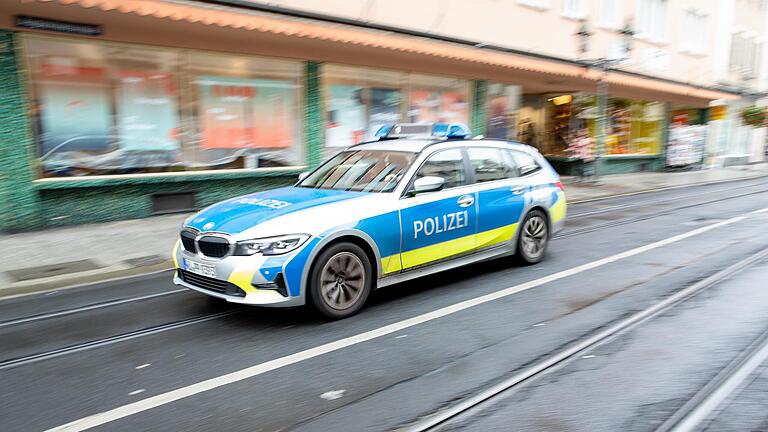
361, 170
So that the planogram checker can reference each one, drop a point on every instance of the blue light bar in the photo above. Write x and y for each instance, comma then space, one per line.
384, 131
421, 130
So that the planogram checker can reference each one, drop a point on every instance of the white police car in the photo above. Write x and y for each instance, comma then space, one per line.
419, 200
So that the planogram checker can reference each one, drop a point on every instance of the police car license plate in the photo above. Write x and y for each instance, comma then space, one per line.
199, 268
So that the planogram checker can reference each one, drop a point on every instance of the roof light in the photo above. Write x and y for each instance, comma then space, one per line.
384, 131
424, 130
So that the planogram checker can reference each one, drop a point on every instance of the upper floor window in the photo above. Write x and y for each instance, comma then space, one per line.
576, 9
745, 54
611, 12
694, 35
652, 20
538, 4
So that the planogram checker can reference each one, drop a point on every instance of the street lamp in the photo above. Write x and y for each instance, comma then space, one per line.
604, 64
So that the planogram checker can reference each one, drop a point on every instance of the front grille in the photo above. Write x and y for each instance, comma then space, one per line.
188, 240
213, 246
211, 284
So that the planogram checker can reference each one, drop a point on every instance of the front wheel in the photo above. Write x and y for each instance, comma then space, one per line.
341, 281
533, 238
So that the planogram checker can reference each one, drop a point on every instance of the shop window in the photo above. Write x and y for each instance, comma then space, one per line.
102, 108
503, 111
438, 99
247, 111
358, 102
632, 127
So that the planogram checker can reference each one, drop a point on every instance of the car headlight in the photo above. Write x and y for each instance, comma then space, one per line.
270, 245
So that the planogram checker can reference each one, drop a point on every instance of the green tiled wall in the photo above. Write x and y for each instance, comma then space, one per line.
479, 110
313, 113
77, 204
18, 201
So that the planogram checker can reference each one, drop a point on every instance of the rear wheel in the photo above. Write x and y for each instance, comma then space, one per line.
341, 281
533, 238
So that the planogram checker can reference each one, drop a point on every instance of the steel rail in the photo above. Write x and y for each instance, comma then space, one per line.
475, 403
97, 343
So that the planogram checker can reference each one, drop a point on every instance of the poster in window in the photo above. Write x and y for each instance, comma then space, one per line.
427, 106
238, 113
346, 116
147, 112
384, 109
72, 110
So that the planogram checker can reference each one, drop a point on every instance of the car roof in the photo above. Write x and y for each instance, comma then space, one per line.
417, 145
411, 145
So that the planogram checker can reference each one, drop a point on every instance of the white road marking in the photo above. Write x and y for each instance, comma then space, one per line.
539, 324
401, 336
268, 366
143, 366
588, 356
135, 392
333, 394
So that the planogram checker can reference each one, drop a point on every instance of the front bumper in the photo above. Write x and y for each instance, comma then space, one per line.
248, 273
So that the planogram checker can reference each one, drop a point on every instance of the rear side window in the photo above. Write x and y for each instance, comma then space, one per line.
487, 163
526, 164
448, 164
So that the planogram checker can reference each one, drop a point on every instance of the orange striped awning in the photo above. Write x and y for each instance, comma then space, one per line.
287, 26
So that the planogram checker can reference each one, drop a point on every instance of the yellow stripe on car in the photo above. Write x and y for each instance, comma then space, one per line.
176, 251
559, 209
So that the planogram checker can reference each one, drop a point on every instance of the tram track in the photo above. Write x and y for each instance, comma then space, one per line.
695, 413
110, 340
653, 201
686, 419
126, 300
99, 342
593, 228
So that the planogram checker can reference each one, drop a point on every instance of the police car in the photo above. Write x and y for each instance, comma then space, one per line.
418, 200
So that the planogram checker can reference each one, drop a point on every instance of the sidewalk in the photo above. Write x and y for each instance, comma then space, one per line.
60, 257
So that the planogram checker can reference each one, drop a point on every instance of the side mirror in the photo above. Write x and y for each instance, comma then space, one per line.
303, 175
427, 184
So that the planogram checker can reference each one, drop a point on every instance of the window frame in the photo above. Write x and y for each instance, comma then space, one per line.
500, 152
468, 174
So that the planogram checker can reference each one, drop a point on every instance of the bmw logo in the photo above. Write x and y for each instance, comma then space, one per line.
208, 226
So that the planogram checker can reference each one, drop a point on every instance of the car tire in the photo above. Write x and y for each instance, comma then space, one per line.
533, 237
341, 280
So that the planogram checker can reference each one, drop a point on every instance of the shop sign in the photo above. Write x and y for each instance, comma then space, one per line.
34, 23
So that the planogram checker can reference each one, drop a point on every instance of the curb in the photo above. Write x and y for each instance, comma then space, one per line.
119, 272
81, 279
644, 191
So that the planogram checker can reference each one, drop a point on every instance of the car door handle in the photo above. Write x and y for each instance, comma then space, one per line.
517, 190
466, 201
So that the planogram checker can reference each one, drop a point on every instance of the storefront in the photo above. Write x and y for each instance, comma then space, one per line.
107, 109
360, 100
634, 131
120, 110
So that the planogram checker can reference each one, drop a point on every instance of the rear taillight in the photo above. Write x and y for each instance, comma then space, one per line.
560, 186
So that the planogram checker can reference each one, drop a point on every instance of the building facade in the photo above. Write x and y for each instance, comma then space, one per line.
125, 109
740, 62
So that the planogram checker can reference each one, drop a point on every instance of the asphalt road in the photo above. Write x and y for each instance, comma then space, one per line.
422, 348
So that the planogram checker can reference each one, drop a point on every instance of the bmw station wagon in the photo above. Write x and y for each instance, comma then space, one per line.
418, 200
